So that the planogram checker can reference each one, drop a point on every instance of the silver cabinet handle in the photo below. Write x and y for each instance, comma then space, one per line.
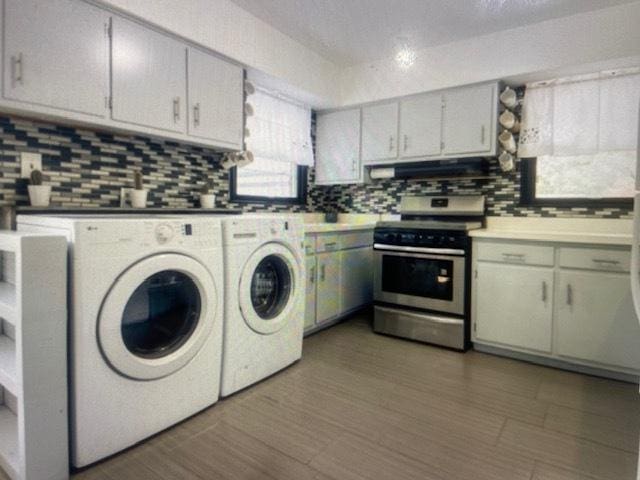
544, 292
176, 109
353, 165
569, 295
330, 246
406, 142
196, 114
482, 134
16, 69
312, 274
520, 257
322, 272
606, 262
391, 143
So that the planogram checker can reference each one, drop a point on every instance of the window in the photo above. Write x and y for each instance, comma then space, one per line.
279, 136
579, 140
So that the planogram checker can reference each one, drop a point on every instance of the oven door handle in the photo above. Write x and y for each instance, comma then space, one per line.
436, 251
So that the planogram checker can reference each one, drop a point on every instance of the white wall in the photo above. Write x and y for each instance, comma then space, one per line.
555, 45
226, 28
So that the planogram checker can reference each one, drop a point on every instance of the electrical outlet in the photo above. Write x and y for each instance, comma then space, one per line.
28, 163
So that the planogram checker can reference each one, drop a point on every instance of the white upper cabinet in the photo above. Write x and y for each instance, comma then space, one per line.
215, 99
380, 133
469, 123
338, 147
56, 55
149, 78
421, 126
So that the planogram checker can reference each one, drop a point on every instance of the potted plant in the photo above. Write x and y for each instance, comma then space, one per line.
39, 194
207, 197
138, 194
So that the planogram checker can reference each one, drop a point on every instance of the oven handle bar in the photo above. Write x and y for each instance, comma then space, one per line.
436, 251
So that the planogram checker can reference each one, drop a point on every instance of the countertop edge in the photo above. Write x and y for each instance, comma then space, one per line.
557, 237
336, 228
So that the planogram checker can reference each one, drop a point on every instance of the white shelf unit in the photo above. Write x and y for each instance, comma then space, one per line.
33, 356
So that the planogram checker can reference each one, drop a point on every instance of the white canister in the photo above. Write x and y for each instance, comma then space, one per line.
507, 141
207, 200
508, 119
39, 195
138, 198
509, 98
507, 162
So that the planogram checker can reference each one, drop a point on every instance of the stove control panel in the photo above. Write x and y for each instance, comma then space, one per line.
421, 238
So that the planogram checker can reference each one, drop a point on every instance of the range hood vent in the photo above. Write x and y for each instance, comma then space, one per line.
466, 167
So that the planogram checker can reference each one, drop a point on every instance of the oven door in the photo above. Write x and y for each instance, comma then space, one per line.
432, 281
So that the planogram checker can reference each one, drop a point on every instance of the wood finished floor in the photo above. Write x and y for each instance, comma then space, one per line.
363, 406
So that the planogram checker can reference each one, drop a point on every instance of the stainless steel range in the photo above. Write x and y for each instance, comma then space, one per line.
422, 270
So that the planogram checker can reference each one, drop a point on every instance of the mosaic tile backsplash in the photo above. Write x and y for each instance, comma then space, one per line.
87, 168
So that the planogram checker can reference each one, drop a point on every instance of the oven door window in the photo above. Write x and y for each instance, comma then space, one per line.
418, 277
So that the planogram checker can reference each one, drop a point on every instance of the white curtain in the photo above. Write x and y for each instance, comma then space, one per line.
583, 115
279, 130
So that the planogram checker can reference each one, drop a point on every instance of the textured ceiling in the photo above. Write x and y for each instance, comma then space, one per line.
349, 32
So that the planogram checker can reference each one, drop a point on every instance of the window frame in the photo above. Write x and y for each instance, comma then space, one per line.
299, 199
528, 193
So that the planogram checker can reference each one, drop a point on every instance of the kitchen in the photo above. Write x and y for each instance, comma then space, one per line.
319, 239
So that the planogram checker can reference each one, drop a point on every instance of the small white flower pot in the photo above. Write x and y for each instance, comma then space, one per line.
139, 198
207, 200
39, 195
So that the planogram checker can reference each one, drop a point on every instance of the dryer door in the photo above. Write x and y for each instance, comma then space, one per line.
267, 288
157, 316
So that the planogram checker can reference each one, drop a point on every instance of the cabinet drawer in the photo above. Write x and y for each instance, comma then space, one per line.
356, 239
328, 243
595, 259
524, 254
309, 244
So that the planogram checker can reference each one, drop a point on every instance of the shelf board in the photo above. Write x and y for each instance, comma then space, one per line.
9, 442
8, 364
8, 302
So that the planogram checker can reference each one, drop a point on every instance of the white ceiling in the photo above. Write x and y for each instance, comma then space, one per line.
349, 32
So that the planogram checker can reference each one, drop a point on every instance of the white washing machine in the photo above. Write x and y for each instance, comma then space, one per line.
146, 306
264, 298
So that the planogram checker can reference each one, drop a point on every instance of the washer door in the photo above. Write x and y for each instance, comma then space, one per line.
267, 288
157, 316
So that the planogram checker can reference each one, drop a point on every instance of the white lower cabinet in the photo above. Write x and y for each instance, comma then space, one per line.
310, 303
339, 276
329, 286
567, 303
356, 267
514, 305
596, 320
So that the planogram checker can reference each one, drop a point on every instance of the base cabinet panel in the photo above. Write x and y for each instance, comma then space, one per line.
357, 278
514, 305
310, 303
329, 286
596, 319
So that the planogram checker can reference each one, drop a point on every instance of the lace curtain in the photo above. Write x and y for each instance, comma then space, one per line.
583, 115
279, 130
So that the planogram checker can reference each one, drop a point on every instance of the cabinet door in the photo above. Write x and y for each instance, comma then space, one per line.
514, 305
380, 133
149, 77
356, 267
57, 55
329, 286
310, 305
338, 147
421, 126
596, 319
469, 120
215, 99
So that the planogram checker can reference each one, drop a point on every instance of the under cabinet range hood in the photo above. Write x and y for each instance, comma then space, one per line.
465, 167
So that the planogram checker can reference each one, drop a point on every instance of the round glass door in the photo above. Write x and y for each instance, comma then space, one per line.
268, 284
270, 287
157, 316
161, 314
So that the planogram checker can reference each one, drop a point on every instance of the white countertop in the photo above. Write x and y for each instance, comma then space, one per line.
324, 227
569, 230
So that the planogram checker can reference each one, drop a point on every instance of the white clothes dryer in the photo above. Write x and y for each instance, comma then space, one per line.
146, 305
264, 298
